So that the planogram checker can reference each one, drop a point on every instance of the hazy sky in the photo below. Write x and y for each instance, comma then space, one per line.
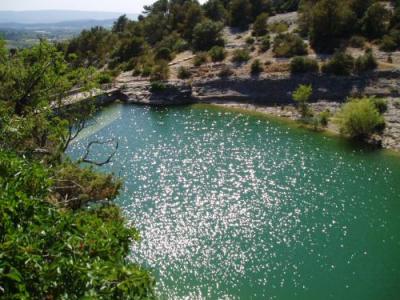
126, 6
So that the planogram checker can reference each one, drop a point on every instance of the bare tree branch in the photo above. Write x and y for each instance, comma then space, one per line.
85, 158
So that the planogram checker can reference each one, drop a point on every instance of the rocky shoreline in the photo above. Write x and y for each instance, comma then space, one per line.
273, 95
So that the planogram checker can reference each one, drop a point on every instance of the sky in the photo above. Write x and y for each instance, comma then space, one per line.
125, 6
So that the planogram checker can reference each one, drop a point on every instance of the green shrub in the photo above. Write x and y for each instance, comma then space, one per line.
200, 59
260, 25
301, 64
147, 70
302, 95
278, 27
323, 118
240, 56
164, 54
388, 44
340, 64
359, 118
357, 41
226, 71
63, 254
288, 45
256, 67
366, 62
265, 43
207, 34
217, 53
160, 71
157, 86
250, 40
184, 73
380, 104
104, 78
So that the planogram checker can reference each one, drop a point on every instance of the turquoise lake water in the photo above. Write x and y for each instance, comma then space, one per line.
238, 206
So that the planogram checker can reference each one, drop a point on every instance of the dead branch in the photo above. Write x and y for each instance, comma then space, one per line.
85, 158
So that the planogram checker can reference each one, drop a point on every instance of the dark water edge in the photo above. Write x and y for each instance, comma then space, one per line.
236, 205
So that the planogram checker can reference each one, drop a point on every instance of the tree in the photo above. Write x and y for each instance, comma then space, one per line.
375, 23
302, 95
288, 45
260, 25
340, 64
215, 10
329, 21
51, 245
240, 13
206, 35
121, 24
359, 118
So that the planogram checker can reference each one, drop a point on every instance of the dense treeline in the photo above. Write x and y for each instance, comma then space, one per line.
60, 235
169, 27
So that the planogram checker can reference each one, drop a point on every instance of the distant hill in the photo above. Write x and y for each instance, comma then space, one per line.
57, 16
66, 25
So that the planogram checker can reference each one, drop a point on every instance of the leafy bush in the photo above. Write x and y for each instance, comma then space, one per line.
278, 27
157, 86
323, 118
340, 64
217, 53
206, 35
390, 42
147, 70
302, 95
265, 43
288, 45
260, 25
359, 118
240, 56
160, 71
357, 41
375, 21
164, 54
200, 59
226, 71
48, 253
250, 40
256, 67
380, 104
301, 64
184, 73
366, 62
104, 78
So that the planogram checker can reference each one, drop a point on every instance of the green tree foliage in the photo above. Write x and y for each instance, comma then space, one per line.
48, 253
240, 55
92, 47
329, 21
184, 73
217, 53
240, 13
301, 64
375, 22
160, 71
366, 62
341, 64
79, 251
215, 10
265, 43
260, 25
206, 35
302, 96
121, 25
256, 67
288, 45
359, 118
